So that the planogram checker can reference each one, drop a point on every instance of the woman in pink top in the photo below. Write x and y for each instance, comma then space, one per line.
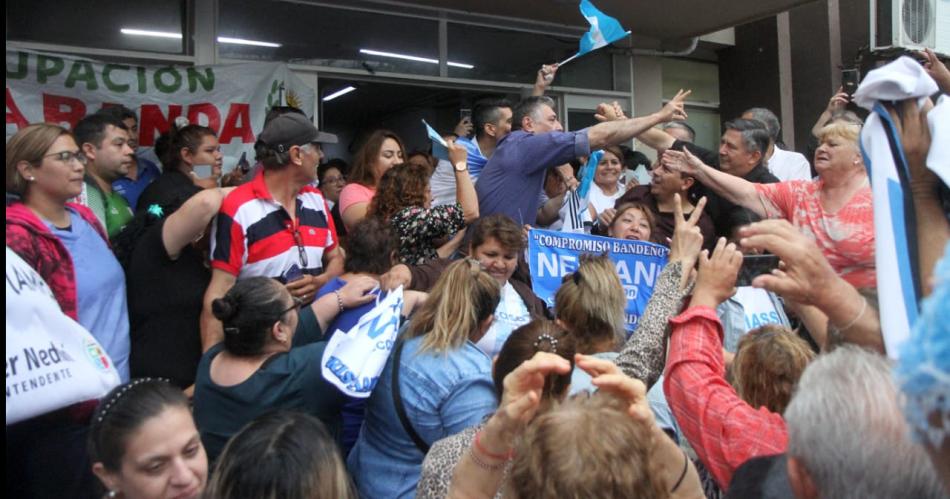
381, 151
834, 210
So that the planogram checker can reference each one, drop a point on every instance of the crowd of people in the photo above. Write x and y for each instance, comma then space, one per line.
215, 297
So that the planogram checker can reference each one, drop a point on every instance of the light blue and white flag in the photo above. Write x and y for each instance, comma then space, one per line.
894, 238
440, 149
604, 30
895, 227
587, 173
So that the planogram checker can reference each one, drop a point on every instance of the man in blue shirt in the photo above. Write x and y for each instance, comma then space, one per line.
492, 120
512, 178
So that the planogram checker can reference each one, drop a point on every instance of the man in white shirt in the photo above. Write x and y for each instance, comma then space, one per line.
786, 165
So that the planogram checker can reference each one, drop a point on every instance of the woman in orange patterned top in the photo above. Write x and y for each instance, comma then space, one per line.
834, 210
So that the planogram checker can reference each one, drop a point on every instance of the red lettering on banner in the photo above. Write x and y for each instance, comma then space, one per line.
154, 123
238, 125
207, 109
54, 112
13, 113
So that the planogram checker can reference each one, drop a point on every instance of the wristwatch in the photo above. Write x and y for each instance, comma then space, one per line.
461, 166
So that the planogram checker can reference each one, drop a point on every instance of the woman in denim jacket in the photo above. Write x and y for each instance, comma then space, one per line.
445, 383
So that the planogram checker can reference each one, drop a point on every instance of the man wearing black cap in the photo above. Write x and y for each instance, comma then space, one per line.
277, 225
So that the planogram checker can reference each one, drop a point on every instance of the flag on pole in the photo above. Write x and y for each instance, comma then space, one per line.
440, 149
604, 30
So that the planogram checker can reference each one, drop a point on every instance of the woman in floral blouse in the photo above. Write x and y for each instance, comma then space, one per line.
404, 199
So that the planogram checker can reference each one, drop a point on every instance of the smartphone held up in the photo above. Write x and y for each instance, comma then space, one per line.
754, 266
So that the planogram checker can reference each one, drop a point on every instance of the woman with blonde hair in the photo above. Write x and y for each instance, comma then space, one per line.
834, 210
436, 383
603, 446
590, 304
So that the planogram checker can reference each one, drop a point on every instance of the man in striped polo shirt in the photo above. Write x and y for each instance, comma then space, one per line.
277, 225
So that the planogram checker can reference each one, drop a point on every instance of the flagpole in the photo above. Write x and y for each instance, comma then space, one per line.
569, 59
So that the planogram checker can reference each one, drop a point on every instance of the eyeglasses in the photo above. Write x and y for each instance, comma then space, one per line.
334, 180
300, 249
65, 156
295, 306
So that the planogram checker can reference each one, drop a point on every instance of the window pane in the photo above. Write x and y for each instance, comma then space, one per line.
580, 119
326, 36
701, 77
97, 24
707, 126
515, 57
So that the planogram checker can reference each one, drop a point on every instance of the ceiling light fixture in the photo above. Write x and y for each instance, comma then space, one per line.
156, 34
241, 41
414, 58
221, 39
338, 93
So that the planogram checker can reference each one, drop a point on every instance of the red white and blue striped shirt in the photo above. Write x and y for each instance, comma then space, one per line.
255, 236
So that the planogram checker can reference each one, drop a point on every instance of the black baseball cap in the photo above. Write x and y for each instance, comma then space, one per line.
288, 130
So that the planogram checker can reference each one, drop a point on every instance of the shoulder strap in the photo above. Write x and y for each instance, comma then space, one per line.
400, 407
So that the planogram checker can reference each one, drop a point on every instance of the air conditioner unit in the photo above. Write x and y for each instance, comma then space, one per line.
911, 24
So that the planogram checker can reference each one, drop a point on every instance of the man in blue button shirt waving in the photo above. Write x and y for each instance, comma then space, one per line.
512, 179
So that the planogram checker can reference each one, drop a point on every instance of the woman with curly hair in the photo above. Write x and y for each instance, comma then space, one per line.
403, 198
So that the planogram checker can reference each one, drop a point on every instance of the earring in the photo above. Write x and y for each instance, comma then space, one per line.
112, 494
31, 179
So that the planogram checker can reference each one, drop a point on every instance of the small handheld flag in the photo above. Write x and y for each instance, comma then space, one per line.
440, 149
604, 30
587, 173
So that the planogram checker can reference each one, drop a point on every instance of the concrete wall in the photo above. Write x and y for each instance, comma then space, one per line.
647, 90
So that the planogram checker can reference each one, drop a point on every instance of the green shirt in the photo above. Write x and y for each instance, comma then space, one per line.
112, 209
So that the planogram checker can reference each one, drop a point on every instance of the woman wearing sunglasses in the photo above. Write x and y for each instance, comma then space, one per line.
262, 365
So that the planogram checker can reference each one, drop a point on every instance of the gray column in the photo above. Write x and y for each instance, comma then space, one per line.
785, 79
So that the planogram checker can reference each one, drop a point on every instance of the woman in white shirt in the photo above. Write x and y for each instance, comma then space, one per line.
608, 185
